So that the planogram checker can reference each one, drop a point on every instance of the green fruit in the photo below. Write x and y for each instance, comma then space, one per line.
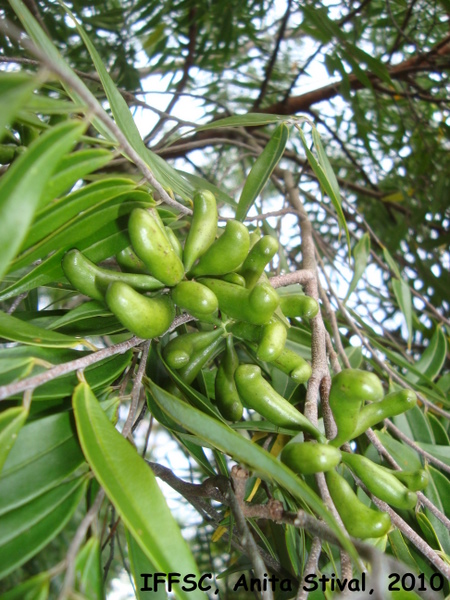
145, 317
203, 228
176, 244
196, 299
391, 405
359, 520
245, 331
257, 393
151, 244
93, 281
349, 390
256, 306
234, 278
380, 482
298, 305
179, 350
414, 480
201, 358
129, 262
273, 339
307, 458
293, 365
227, 398
259, 256
226, 254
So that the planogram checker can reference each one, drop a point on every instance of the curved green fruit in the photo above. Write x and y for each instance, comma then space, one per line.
234, 278
349, 390
414, 480
176, 244
255, 306
129, 262
93, 281
245, 331
203, 228
298, 305
359, 520
259, 256
145, 317
179, 350
380, 482
196, 299
225, 254
227, 398
293, 365
273, 339
257, 393
200, 358
151, 244
307, 458
393, 404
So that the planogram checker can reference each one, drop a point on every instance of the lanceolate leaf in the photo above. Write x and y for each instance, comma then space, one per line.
403, 296
140, 565
262, 170
247, 120
222, 437
361, 253
433, 359
15, 90
88, 570
11, 422
21, 187
132, 488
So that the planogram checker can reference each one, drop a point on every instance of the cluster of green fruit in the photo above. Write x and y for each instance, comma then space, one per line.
350, 389
218, 277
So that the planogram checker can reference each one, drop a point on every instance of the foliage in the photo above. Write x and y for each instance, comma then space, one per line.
323, 126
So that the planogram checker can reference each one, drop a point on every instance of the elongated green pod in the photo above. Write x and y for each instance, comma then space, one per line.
130, 262
293, 365
307, 458
380, 482
145, 317
259, 256
227, 398
393, 404
273, 339
414, 480
197, 299
203, 228
359, 520
226, 254
298, 305
349, 390
257, 393
234, 278
178, 351
256, 306
91, 280
200, 358
150, 242
176, 244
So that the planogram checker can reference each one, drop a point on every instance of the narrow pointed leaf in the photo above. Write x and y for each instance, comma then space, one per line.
403, 296
222, 437
11, 422
88, 570
433, 359
22, 185
15, 90
361, 253
140, 564
247, 120
132, 488
262, 170
36, 588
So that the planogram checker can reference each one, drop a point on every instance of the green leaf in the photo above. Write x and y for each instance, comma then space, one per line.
132, 488
391, 262
433, 358
16, 330
404, 455
27, 529
23, 183
36, 588
322, 170
262, 170
401, 550
139, 564
15, 90
440, 452
11, 422
247, 120
73, 167
361, 253
88, 570
438, 491
226, 440
403, 296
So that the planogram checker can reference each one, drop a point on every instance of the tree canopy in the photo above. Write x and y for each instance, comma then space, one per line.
224, 266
